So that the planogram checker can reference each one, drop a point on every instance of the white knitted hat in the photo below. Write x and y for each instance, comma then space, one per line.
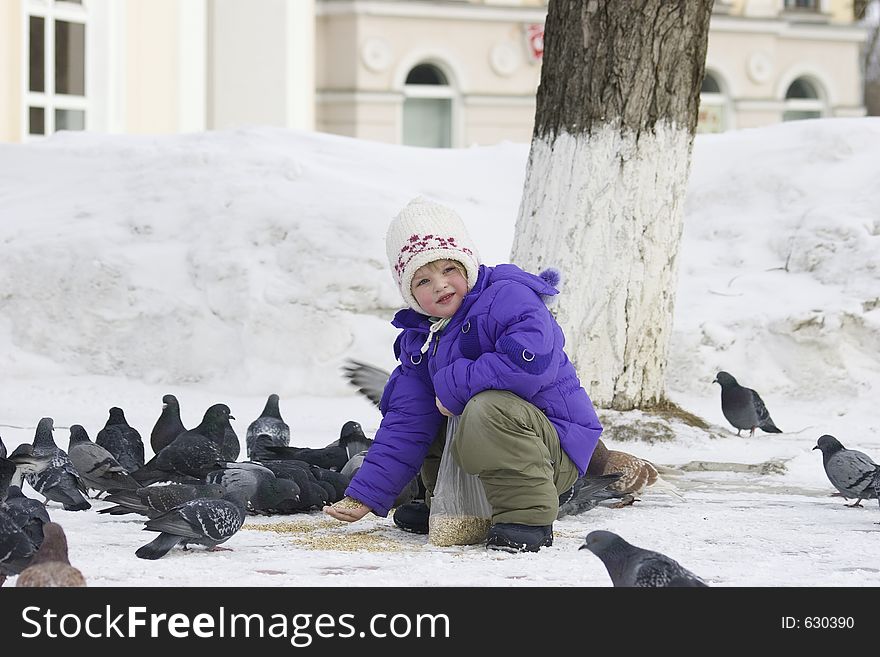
425, 231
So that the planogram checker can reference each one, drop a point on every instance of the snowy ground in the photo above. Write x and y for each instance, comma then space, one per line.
226, 266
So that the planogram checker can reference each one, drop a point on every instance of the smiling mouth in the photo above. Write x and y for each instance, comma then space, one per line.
446, 298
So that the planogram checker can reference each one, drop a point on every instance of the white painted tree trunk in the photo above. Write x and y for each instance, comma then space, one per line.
605, 209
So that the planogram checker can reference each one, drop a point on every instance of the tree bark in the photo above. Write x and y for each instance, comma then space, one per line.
607, 174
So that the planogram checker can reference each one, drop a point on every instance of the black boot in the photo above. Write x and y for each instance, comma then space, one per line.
412, 517
511, 537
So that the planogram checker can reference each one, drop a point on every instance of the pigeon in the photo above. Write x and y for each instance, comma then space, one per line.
632, 566
122, 441
312, 495
368, 379
26, 462
332, 457
201, 521
193, 453
50, 566
96, 466
586, 494
231, 446
16, 548
29, 515
850, 471
152, 501
60, 482
168, 426
262, 490
2, 449
637, 474
743, 407
268, 429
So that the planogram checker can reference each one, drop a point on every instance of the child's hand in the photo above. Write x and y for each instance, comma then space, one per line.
347, 509
441, 407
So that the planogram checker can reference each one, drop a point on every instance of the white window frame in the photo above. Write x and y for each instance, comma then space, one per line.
434, 91
50, 11
817, 104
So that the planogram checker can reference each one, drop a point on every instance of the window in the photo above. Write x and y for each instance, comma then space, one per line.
427, 108
56, 60
802, 101
713, 106
802, 5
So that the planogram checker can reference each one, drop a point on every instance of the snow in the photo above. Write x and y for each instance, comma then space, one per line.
225, 266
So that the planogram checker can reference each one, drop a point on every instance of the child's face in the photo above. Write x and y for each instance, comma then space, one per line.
439, 288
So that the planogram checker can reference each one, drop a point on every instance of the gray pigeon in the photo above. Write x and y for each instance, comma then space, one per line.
268, 429
168, 426
26, 462
312, 495
152, 501
263, 492
123, 441
193, 454
587, 493
202, 521
97, 467
743, 407
60, 482
633, 566
368, 379
850, 471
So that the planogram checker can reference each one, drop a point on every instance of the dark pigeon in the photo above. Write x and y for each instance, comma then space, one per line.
369, 380
743, 407
50, 566
312, 495
152, 501
60, 482
268, 429
97, 467
193, 454
332, 457
2, 449
16, 548
263, 491
168, 426
207, 522
29, 514
122, 441
632, 566
587, 493
850, 471
231, 447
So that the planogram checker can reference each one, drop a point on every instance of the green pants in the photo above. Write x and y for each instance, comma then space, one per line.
515, 451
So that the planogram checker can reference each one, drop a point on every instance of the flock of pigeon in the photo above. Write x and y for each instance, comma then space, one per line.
195, 490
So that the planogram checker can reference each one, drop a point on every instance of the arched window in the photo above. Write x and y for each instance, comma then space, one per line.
427, 108
713, 106
802, 101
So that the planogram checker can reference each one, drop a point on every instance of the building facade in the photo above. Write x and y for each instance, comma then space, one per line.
440, 73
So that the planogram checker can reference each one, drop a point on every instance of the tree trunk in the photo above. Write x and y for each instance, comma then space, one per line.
606, 180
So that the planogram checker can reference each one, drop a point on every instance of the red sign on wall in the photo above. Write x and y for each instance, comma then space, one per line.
535, 41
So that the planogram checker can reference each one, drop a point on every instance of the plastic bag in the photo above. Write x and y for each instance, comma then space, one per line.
460, 512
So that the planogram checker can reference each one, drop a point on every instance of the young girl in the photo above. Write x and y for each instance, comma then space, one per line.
476, 342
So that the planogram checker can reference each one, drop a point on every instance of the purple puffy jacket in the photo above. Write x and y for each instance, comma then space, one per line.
502, 337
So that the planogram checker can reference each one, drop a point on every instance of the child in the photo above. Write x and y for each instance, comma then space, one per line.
478, 342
